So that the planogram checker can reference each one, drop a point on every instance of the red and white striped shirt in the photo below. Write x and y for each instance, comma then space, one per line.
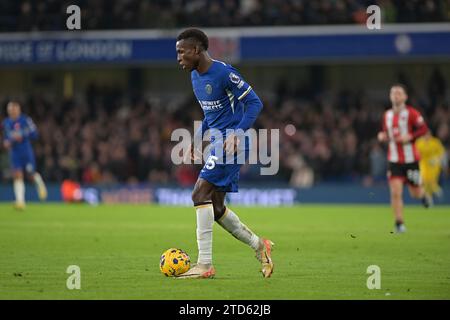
407, 121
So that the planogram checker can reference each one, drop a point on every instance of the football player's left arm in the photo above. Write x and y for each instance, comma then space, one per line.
419, 128
245, 94
6, 137
383, 134
30, 130
196, 153
252, 107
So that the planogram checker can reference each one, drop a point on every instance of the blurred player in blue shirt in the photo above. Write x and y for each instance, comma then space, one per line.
229, 104
19, 130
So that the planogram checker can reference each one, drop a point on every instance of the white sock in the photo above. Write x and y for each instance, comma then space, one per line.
205, 221
38, 180
230, 222
19, 190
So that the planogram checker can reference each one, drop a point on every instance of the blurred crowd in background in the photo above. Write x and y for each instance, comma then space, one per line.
33, 15
106, 136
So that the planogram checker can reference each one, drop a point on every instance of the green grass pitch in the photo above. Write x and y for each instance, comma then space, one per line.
322, 252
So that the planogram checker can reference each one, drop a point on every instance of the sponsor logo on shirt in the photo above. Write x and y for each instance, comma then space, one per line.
210, 105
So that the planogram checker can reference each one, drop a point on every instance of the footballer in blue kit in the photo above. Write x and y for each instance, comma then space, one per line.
220, 92
230, 106
18, 131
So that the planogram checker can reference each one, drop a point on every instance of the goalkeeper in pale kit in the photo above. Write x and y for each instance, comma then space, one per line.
432, 154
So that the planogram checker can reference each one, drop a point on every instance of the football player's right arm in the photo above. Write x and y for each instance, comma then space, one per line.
196, 154
202, 129
420, 128
382, 135
6, 137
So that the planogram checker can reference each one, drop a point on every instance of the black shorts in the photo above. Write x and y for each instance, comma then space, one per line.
408, 172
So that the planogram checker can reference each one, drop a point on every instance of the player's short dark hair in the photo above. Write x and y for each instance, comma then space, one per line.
400, 85
195, 34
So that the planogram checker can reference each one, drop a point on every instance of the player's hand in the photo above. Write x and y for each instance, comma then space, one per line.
192, 155
382, 136
17, 137
7, 144
231, 143
404, 138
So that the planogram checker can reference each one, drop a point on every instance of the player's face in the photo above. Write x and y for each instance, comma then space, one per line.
398, 96
187, 55
13, 110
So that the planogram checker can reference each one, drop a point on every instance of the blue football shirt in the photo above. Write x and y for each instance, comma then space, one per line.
22, 127
228, 102
220, 91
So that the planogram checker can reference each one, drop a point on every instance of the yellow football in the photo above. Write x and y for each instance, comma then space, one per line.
174, 262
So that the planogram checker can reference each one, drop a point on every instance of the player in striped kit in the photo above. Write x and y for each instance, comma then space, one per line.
402, 125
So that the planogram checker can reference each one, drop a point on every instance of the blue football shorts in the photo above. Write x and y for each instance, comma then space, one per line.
23, 161
224, 174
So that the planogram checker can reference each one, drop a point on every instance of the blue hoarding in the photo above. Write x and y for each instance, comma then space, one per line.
248, 195
263, 44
